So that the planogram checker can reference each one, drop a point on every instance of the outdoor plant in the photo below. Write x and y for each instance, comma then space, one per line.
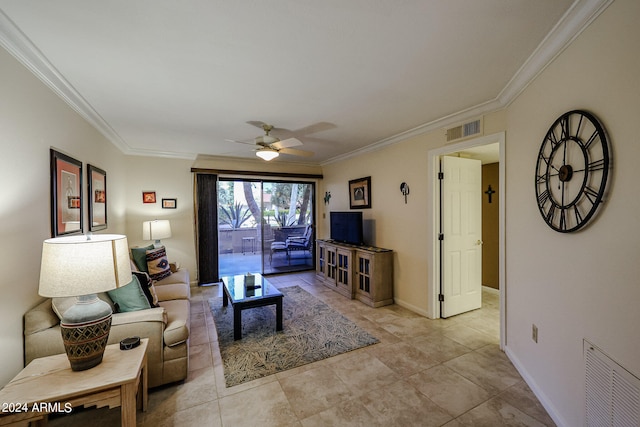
284, 219
235, 215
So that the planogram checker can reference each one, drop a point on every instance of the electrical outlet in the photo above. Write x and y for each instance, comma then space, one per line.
534, 333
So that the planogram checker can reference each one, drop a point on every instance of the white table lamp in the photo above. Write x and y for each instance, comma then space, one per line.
156, 230
82, 266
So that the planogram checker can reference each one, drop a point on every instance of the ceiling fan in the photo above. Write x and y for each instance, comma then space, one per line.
270, 147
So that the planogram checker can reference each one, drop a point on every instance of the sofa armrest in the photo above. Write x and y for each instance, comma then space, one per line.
180, 276
155, 314
173, 291
40, 318
178, 320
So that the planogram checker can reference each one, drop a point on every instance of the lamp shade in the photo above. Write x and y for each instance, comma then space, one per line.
156, 229
83, 265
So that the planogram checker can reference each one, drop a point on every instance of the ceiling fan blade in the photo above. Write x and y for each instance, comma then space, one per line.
286, 143
241, 142
314, 128
256, 123
295, 152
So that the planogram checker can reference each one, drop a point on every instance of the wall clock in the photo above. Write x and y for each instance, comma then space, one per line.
572, 171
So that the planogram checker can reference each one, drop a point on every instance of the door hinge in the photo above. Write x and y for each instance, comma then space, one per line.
440, 297
440, 236
440, 175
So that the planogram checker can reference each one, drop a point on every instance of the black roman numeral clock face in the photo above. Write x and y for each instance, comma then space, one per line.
572, 171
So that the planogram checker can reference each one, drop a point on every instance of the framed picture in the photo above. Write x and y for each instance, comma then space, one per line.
66, 194
169, 203
97, 198
148, 197
360, 193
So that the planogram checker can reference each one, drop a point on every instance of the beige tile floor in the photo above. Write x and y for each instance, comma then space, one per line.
423, 372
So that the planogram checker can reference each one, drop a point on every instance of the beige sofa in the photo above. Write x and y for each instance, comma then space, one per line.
167, 328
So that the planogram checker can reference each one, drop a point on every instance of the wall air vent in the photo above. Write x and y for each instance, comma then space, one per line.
612, 394
465, 130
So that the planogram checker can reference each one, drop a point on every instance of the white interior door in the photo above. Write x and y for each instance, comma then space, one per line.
461, 223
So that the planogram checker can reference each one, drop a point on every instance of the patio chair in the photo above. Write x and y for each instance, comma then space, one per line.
302, 243
278, 247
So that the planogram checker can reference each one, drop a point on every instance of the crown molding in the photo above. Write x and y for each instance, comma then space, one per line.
159, 153
434, 125
21, 47
577, 18
574, 21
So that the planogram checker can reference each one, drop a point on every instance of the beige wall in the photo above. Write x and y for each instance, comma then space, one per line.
394, 224
254, 165
33, 119
585, 284
169, 178
575, 286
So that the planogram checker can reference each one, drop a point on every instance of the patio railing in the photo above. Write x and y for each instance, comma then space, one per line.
239, 240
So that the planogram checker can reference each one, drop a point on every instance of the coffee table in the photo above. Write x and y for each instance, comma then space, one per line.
48, 385
243, 297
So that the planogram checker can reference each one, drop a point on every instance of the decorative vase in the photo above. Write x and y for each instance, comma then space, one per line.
85, 330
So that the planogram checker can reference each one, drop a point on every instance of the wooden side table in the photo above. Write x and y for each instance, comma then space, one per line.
48, 385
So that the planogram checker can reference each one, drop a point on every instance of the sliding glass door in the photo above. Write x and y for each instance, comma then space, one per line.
265, 226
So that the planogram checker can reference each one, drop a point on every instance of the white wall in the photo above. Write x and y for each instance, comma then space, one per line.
33, 119
585, 284
395, 225
169, 178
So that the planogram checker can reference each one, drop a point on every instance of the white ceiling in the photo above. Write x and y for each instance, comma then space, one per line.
180, 78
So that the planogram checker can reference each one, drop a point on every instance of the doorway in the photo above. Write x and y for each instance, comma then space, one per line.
265, 226
490, 142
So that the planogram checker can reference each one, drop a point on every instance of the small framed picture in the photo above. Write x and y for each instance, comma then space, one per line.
360, 193
148, 197
169, 203
97, 191
66, 194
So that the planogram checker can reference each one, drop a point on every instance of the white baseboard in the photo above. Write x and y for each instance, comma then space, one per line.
490, 290
411, 307
544, 400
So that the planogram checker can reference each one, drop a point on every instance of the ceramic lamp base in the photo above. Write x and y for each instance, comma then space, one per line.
85, 330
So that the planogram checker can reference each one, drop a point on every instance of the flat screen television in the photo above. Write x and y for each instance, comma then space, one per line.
346, 227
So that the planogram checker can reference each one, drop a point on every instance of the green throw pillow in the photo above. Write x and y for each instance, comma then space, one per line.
139, 256
130, 297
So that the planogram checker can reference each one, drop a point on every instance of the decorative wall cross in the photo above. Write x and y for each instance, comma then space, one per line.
489, 192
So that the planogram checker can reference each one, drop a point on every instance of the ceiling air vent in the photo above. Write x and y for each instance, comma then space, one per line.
465, 130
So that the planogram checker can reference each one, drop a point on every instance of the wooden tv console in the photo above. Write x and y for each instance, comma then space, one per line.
361, 272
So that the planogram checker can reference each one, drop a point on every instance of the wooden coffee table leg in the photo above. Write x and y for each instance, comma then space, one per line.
237, 323
279, 314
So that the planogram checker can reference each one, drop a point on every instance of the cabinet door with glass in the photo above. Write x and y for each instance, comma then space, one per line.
320, 261
331, 263
344, 271
374, 277
363, 273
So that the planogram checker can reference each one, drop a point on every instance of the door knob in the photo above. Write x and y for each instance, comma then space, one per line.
479, 242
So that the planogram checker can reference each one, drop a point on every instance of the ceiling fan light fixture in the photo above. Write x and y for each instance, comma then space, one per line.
267, 153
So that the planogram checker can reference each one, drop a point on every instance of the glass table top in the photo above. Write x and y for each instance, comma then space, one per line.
239, 290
